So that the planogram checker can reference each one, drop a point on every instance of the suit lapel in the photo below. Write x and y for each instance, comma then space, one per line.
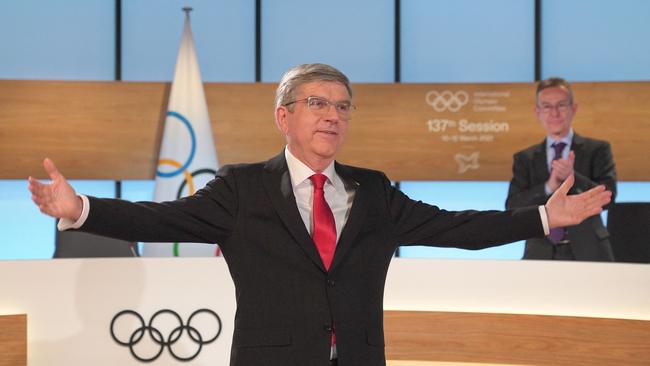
356, 217
540, 165
581, 162
277, 183
577, 145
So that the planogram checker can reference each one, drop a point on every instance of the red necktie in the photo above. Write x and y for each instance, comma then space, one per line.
324, 233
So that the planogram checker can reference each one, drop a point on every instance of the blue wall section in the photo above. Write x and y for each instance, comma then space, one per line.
224, 33
357, 37
585, 40
48, 40
468, 41
26, 233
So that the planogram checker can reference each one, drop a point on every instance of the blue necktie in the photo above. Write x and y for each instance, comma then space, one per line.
557, 234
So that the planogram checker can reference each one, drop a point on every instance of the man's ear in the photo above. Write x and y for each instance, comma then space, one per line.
281, 119
537, 112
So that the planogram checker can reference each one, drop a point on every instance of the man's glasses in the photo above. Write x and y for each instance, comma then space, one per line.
561, 107
321, 106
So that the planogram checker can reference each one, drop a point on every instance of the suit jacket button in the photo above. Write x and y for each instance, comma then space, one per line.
330, 283
327, 328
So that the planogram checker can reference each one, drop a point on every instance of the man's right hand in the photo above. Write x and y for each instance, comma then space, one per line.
561, 169
564, 210
57, 199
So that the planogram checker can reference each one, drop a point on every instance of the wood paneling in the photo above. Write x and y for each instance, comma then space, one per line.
112, 130
439, 363
13, 340
515, 339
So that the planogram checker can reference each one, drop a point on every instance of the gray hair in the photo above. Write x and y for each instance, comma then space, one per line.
300, 75
553, 82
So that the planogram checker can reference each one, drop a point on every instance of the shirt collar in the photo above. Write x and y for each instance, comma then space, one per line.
300, 172
566, 139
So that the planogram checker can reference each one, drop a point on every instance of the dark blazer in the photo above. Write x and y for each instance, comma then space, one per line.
593, 165
286, 301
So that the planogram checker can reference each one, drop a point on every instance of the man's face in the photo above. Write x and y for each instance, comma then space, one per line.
555, 111
314, 136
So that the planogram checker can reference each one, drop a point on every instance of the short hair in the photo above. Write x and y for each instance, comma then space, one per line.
553, 82
300, 75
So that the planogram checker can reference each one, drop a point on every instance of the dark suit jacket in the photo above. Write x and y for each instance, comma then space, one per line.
593, 165
286, 300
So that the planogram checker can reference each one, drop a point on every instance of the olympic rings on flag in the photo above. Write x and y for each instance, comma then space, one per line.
192, 147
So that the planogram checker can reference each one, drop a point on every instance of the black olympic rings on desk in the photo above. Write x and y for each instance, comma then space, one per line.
173, 337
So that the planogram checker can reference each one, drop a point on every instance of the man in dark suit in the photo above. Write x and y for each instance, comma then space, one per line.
308, 240
539, 170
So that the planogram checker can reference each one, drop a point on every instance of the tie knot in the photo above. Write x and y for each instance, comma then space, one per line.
558, 147
318, 180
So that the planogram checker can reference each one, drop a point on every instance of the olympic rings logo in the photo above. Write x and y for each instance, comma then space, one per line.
156, 334
183, 168
447, 100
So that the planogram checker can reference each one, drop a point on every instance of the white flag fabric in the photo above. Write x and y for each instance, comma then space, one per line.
188, 159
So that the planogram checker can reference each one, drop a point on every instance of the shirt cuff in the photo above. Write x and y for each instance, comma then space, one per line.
66, 224
547, 190
544, 217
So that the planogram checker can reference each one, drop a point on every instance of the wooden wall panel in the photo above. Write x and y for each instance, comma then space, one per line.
92, 130
112, 130
511, 339
13, 340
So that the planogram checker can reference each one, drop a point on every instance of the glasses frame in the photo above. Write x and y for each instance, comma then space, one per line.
562, 107
346, 114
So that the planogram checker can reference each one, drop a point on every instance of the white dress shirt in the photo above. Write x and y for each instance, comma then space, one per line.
338, 198
550, 151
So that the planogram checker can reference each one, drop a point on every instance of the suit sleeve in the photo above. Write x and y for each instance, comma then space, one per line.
603, 171
418, 223
522, 192
208, 216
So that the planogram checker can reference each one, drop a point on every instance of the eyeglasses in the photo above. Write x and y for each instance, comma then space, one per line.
321, 106
561, 107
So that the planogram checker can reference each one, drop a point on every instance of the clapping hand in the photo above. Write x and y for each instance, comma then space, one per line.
561, 169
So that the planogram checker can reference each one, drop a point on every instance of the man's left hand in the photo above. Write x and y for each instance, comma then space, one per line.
563, 168
565, 210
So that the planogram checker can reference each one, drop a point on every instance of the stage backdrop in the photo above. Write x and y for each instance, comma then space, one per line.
112, 130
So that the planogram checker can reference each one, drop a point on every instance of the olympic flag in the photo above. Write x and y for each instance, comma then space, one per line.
188, 159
